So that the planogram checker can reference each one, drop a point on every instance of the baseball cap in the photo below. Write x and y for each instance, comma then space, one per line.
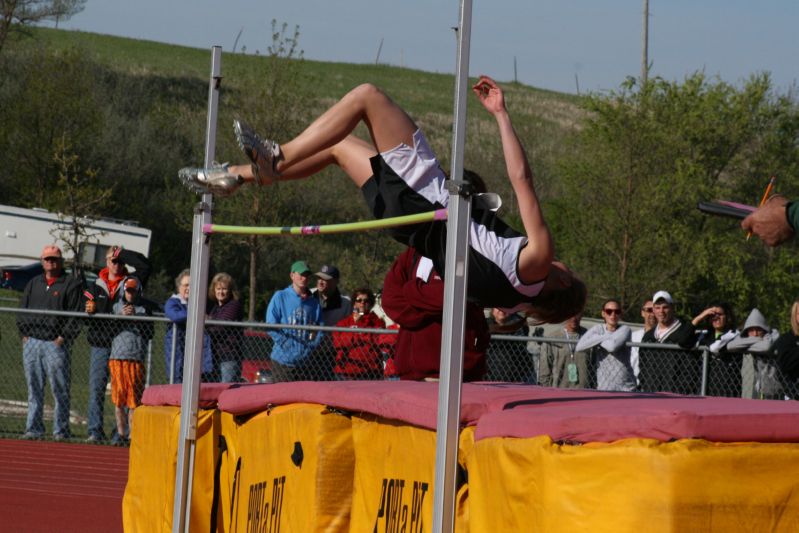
132, 284
662, 295
51, 250
300, 267
328, 272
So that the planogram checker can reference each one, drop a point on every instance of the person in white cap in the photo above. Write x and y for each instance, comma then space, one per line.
669, 370
46, 341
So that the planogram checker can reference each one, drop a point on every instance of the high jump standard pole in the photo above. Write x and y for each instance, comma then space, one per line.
195, 322
455, 279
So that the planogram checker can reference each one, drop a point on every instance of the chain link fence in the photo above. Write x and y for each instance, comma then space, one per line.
241, 352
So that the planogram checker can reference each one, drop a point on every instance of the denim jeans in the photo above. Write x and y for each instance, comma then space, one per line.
43, 358
98, 380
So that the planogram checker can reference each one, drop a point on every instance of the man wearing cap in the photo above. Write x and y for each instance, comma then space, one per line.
335, 307
669, 370
292, 348
46, 341
99, 299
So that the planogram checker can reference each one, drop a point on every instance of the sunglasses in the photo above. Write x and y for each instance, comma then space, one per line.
50, 258
648, 309
612, 311
362, 300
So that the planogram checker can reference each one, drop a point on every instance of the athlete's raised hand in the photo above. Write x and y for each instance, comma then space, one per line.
490, 94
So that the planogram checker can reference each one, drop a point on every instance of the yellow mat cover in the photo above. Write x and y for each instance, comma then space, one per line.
149, 493
633, 485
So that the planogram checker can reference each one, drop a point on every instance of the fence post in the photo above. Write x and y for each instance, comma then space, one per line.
172, 356
705, 357
149, 363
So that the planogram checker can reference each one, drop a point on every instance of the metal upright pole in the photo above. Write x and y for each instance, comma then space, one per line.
645, 44
193, 355
455, 279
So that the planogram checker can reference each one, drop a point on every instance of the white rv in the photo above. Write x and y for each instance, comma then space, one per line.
23, 233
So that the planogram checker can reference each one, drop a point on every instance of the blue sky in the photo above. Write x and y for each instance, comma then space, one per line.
552, 41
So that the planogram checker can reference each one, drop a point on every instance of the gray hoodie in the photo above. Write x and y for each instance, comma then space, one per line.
759, 373
130, 342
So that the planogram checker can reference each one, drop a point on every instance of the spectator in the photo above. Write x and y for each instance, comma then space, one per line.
225, 341
291, 353
358, 355
126, 363
648, 315
176, 309
99, 298
413, 296
335, 307
508, 360
46, 341
608, 342
724, 368
669, 370
786, 349
562, 365
759, 372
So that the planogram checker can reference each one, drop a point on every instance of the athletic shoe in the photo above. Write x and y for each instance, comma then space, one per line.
117, 440
264, 154
216, 180
94, 439
30, 435
58, 437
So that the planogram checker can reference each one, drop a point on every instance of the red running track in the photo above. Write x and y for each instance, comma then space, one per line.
49, 486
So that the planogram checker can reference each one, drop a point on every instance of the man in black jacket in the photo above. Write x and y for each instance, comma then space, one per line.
100, 298
46, 341
668, 370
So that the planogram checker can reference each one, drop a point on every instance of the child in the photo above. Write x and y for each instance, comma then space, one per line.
399, 174
126, 364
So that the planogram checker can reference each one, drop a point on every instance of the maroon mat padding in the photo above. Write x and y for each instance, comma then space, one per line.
511, 410
48, 486
171, 394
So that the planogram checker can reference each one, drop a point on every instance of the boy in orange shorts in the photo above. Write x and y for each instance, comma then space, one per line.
126, 363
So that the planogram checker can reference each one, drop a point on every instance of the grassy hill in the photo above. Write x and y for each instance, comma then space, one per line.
542, 117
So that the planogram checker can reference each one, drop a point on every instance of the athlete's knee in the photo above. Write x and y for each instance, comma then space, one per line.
367, 93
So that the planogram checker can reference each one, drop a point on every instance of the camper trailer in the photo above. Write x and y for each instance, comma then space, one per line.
23, 233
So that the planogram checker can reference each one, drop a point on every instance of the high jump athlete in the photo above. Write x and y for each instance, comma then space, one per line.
399, 174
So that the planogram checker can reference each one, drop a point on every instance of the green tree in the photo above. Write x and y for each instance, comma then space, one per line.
17, 15
274, 100
77, 199
644, 157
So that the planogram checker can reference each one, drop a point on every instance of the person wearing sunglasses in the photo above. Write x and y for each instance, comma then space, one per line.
648, 316
358, 355
99, 299
608, 345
